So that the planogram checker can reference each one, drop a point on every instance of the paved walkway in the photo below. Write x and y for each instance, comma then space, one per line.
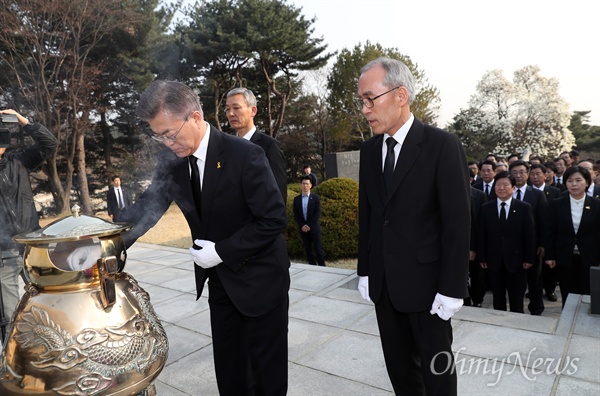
334, 347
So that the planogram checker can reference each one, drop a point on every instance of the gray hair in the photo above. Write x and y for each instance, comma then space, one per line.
396, 74
170, 97
249, 97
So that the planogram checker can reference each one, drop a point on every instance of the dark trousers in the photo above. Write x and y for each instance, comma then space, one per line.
574, 278
535, 287
313, 240
515, 283
250, 353
476, 282
411, 342
549, 276
117, 214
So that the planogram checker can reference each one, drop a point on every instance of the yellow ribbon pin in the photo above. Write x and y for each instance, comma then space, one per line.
218, 165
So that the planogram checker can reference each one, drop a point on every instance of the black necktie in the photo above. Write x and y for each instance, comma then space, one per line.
559, 180
519, 194
388, 167
195, 181
487, 189
502, 214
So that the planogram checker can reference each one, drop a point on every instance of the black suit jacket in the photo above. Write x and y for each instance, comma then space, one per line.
478, 198
512, 245
539, 204
562, 237
551, 193
242, 212
112, 204
275, 157
479, 185
313, 212
416, 236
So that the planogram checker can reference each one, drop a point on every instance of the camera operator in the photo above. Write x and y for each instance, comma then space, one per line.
17, 209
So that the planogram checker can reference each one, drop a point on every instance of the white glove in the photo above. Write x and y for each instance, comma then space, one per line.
84, 257
445, 307
207, 257
363, 287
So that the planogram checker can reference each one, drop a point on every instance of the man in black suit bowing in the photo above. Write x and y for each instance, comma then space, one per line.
229, 197
240, 110
507, 243
307, 213
413, 251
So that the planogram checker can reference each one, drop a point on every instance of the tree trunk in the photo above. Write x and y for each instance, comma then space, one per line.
106, 137
82, 181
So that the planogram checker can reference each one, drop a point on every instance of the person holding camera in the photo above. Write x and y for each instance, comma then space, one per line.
17, 209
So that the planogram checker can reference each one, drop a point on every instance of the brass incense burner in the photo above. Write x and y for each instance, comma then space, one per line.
81, 328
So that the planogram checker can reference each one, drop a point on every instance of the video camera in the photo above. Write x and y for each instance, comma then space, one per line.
5, 132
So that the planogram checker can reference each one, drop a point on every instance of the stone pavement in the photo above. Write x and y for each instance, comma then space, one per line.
334, 347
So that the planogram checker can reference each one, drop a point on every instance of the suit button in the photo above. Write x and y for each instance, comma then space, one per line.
386, 223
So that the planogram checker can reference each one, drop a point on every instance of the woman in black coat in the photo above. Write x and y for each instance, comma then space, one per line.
573, 239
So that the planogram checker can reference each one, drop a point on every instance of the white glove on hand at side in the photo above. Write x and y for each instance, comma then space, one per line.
445, 307
83, 257
363, 287
207, 257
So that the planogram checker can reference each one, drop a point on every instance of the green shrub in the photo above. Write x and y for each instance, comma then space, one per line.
339, 219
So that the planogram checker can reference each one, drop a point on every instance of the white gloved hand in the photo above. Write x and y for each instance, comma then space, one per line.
84, 257
445, 307
363, 287
207, 257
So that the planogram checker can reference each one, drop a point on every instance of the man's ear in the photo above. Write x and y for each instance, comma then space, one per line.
254, 110
403, 95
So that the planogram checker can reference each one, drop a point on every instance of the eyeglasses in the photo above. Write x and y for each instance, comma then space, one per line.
172, 138
370, 102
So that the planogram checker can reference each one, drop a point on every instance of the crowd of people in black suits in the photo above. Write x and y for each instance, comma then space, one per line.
534, 226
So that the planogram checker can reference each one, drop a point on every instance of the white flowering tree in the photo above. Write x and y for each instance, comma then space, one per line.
525, 113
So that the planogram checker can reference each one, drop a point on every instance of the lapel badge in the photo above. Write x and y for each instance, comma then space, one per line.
587, 207
219, 165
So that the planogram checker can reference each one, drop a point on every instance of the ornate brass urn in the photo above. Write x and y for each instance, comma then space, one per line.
83, 327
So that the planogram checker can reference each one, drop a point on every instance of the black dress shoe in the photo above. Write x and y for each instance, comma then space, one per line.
551, 296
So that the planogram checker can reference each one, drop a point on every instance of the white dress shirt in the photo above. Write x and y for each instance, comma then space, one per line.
200, 153
250, 133
399, 136
506, 207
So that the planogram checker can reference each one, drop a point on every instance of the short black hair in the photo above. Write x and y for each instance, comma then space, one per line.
306, 177
561, 159
567, 152
538, 166
551, 165
487, 162
505, 175
115, 177
519, 163
578, 169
